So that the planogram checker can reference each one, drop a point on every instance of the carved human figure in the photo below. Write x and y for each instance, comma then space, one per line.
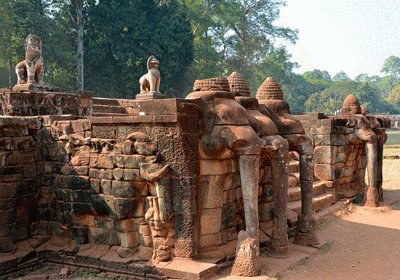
30, 70
272, 104
276, 149
150, 82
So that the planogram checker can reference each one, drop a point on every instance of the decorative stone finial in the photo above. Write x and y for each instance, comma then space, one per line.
150, 82
351, 105
211, 88
271, 95
238, 85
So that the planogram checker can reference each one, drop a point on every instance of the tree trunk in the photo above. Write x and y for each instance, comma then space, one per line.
79, 27
10, 66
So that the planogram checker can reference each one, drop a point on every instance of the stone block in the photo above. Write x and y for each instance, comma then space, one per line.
7, 217
104, 131
81, 170
132, 175
232, 181
7, 230
145, 230
80, 159
211, 191
228, 235
229, 215
324, 171
105, 161
103, 205
348, 171
338, 139
8, 190
217, 167
322, 140
210, 221
325, 154
81, 209
6, 246
230, 195
106, 186
106, 174
265, 211
125, 225
352, 155
72, 182
95, 185
341, 157
129, 189
210, 240
128, 208
118, 174
128, 239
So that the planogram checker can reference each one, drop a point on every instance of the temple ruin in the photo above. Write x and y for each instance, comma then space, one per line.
136, 186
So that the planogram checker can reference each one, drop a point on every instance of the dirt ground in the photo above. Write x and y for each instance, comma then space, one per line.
359, 243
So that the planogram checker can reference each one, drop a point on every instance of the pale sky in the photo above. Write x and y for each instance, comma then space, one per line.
355, 36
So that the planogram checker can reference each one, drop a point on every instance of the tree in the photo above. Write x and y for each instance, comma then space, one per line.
391, 67
235, 35
121, 35
340, 76
369, 96
331, 99
319, 79
394, 96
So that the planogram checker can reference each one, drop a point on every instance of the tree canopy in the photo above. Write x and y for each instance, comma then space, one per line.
193, 39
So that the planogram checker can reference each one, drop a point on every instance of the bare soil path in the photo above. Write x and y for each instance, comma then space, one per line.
360, 243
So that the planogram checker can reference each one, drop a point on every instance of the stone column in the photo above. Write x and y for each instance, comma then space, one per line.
305, 234
279, 166
372, 199
249, 169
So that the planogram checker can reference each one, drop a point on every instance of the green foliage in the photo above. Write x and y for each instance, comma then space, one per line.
394, 96
235, 35
391, 66
340, 76
121, 35
331, 99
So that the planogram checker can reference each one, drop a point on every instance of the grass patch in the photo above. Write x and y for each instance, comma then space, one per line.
393, 137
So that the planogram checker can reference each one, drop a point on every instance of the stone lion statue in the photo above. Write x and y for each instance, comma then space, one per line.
30, 70
150, 82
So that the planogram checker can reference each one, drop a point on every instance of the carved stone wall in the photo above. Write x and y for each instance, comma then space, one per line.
44, 103
339, 158
21, 172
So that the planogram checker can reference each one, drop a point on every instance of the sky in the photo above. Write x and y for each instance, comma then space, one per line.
354, 36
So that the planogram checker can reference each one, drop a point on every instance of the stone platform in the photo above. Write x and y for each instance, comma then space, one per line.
15, 103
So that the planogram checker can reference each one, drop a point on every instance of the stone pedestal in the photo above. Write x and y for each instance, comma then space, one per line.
150, 95
33, 88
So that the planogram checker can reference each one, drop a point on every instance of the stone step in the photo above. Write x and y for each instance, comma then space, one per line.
105, 101
294, 194
109, 109
99, 114
112, 101
293, 166
293, 180
319, 202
